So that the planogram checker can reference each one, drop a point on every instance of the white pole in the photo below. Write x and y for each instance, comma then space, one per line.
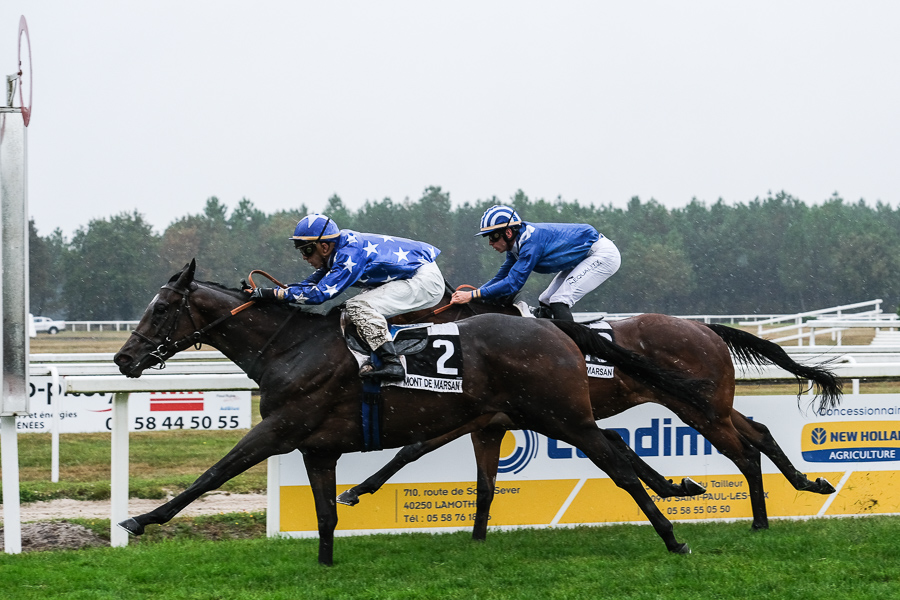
12, 516
273, 497
118, 481
55, 407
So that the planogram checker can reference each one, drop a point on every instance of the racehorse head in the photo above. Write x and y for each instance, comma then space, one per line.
166, 327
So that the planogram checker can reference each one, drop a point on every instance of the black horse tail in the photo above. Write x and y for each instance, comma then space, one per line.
753, 350
677, 384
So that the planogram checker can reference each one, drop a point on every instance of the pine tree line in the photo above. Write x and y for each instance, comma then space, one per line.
771, 255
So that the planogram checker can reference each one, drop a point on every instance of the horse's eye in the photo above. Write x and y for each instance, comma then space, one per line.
159, 308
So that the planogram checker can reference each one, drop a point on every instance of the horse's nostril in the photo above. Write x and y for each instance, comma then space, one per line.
122, 359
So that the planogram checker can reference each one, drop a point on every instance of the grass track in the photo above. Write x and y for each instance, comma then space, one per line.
843, 559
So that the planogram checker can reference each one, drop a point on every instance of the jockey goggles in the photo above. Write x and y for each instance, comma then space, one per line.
495, 236
307, 249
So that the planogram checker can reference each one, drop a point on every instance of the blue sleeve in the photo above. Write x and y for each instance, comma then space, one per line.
326, 284
512, 275
504, 270
313, 279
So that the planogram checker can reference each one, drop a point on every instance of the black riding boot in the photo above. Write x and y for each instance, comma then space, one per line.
561, 311
391, 368
542, 311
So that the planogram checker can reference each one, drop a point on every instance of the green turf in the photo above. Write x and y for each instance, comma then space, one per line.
845, 559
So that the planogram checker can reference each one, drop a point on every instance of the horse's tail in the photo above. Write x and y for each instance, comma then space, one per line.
753, 350
694, 391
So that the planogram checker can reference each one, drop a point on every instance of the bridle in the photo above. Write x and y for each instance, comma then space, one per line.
167, 348
449, 305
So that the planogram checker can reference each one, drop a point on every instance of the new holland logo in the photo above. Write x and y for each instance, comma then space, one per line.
518, 448
851, 441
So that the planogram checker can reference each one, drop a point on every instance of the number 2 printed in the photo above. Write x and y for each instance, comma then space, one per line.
447, 345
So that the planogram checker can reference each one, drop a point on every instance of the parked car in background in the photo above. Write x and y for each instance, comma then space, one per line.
47, 325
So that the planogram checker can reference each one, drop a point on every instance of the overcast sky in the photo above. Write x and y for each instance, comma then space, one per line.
156, 106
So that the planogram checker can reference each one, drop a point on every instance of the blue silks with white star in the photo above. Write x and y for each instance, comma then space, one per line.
362, 260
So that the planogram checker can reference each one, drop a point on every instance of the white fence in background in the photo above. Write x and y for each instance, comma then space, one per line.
579, 316
798, 321
825, 321
101, 325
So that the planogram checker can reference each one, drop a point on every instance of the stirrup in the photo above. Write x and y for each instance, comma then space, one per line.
386, 373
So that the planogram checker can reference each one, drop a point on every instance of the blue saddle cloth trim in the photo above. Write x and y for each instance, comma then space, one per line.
395, 329
371, 411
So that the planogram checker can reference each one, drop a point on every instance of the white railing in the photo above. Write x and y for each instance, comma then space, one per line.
579, 316
583, 317
101, 325
801, 322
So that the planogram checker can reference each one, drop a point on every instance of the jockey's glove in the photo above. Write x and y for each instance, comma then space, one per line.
262, 294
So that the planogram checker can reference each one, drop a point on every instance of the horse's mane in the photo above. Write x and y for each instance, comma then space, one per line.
280, 306
220, 286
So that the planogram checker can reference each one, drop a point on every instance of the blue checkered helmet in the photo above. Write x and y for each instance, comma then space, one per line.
497, 217
315, 228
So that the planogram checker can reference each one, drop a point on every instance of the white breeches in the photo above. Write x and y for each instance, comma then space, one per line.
599, 265
370, 309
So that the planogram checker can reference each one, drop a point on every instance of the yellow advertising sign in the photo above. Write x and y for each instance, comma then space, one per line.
543, 482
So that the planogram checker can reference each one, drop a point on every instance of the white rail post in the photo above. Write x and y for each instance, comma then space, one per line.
273, 496
56, 407
12, 525
118, 482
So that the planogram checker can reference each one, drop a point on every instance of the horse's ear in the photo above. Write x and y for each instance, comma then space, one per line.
187, 275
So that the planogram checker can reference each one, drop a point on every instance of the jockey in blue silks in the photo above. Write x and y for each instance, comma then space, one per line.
581, 258
398, 275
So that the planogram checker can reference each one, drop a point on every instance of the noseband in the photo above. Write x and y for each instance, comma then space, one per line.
167, 348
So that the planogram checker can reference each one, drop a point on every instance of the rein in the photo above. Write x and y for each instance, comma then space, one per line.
169, 348
438, 311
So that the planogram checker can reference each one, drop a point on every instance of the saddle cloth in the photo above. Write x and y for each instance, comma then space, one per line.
597, 367
431, 355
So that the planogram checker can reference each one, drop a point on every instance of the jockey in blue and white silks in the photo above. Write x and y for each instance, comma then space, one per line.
581, 257
398, 275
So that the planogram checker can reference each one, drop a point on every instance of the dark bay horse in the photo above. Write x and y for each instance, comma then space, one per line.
310, 391
690, 347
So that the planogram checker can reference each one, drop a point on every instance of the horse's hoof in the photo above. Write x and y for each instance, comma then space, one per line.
681, 549
691, 487
132, 526
825, 486
759, 527
348, 497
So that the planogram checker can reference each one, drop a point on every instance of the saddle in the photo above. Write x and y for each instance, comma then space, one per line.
408, 339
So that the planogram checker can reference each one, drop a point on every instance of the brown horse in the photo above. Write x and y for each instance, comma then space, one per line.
689, 347
310, 391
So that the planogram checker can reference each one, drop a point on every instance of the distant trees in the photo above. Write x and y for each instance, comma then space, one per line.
109, 266
774, 254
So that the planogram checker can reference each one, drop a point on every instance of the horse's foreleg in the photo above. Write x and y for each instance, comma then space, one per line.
487, 443
758, 435
406, 455
260, 443
321, 471
663, 487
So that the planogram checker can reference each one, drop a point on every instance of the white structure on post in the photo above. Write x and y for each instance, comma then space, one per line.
14, 393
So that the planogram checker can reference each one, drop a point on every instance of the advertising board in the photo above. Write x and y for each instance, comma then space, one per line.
148, 411
546, 483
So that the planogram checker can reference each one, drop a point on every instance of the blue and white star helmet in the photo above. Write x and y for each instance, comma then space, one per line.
496, 217
314, 228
